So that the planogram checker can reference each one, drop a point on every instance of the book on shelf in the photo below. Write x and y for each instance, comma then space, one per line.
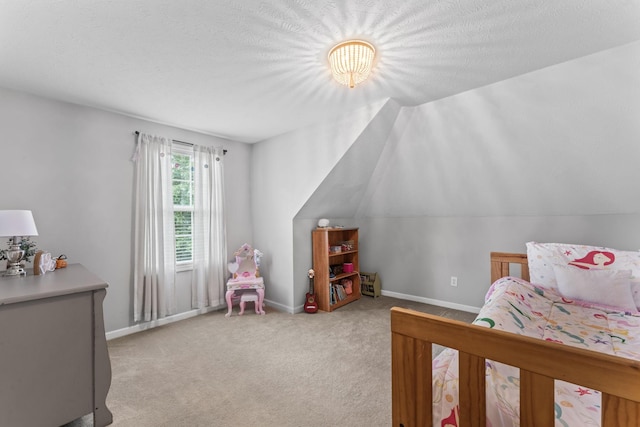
339, 292
332, 295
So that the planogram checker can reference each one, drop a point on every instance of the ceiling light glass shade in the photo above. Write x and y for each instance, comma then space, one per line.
351, 61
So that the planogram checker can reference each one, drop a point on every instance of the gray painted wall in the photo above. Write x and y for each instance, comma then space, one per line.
416, 256
71, 166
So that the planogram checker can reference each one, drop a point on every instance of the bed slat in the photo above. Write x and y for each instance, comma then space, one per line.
536, 397
473, 409
413, 385
617, 411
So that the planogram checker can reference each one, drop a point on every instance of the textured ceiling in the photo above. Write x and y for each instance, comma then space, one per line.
248, 70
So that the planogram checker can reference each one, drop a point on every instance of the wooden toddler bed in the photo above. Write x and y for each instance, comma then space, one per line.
615, 380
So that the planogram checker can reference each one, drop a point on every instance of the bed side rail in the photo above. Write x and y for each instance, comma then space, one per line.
540, 362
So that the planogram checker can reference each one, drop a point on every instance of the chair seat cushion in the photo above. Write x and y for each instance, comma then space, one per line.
249, 296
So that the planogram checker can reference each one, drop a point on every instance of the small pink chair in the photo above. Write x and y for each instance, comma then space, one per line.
245, 283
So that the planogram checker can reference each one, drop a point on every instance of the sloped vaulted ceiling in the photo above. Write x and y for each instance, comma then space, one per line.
558, 141
340, 194
251, 69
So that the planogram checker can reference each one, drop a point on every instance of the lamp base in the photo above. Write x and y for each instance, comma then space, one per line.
15, 270
14, 256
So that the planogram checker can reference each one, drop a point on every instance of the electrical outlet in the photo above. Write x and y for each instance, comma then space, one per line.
454, 281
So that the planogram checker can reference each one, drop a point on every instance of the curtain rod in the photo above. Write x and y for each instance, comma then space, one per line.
180, 142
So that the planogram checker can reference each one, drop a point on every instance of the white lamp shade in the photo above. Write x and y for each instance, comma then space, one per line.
17, 223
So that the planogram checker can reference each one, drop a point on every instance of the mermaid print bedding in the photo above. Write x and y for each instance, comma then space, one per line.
517, 306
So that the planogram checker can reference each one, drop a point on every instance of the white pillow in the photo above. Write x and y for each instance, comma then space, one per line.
604, 287
543, 256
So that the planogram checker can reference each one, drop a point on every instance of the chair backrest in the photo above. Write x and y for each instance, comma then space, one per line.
247, 263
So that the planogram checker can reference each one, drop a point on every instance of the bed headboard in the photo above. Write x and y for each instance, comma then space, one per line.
500, 262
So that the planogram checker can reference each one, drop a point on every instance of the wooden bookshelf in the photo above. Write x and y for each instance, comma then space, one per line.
329, 289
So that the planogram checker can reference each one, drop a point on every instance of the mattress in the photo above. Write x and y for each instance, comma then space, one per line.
517, 306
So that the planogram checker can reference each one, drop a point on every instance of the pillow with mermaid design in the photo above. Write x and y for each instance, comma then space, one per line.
543, 256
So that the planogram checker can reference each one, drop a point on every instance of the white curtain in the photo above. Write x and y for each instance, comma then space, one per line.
209, 236
154, 246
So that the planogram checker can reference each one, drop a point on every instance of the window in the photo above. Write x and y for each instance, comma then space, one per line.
182, 183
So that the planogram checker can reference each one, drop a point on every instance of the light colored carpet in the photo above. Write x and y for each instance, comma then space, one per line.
322, 369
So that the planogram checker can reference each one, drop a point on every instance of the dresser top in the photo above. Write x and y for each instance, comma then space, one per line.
72, 279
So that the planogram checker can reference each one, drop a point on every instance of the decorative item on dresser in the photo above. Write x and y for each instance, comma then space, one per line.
42, 262
16, 224
336, 265
54, 363
61, 261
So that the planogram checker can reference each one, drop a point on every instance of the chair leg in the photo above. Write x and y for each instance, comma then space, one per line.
242, 304
260, 302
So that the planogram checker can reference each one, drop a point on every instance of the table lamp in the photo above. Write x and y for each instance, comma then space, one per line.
16, 224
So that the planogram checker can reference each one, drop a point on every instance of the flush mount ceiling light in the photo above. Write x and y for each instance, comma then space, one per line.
351, 61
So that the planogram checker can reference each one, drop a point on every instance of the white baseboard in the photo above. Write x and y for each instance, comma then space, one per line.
177, 317
160, 322
282, 307
439, 303
445, 304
